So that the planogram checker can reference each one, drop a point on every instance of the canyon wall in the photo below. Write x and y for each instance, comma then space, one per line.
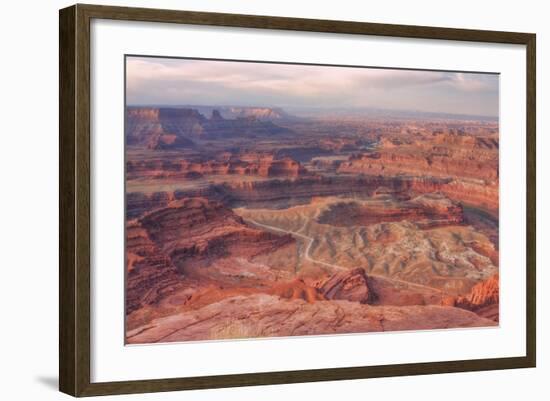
427, 211
186, 233
442, 155
145, 125
261, 165
469, 192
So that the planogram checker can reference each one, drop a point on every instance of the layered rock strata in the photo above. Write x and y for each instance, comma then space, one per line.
197, 230
352, 285
145, 125
303, 189
483, 299
263, 315
150, 275
431, 210
261, 165
186, 233
442, 155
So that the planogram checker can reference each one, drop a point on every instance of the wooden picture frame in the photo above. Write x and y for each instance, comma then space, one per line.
74, 199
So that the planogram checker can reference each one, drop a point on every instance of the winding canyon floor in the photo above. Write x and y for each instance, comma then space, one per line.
333, 275
297, 231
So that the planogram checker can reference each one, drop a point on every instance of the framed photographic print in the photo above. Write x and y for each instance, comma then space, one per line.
250, 200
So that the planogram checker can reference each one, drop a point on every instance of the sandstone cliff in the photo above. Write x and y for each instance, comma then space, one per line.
150, 275
260, 165
352, 285
195, 231
145, 126
263, 315
442, 155
188, 233
482, 299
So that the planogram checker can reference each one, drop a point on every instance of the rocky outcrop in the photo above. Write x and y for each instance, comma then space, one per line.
234, 112
472, 193
169, 141
442, 155
193, 232
188, 233
444, 258
305, 187
483, 294
150, 275
465, 167
138, 203
153, 126
428, 211
297, 289
262, 315
352, 285
261, 165
260, 113
144, 126
216, 115
286, 167
476, 193
482, 299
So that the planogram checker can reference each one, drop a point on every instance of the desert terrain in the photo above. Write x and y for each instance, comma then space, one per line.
249, 222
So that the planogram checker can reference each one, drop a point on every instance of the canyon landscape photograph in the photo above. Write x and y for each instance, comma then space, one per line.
272, 199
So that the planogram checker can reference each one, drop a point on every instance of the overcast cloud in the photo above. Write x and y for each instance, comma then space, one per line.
201, 82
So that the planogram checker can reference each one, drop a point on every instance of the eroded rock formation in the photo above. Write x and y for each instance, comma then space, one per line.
145, 126
261, 165
441, 155
352, 285
482, 299
427, 211
297, 289
247, 222
263, 315
196, 231
188, 232
151, 275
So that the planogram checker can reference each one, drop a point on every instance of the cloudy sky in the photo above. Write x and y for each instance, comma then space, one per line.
162, 81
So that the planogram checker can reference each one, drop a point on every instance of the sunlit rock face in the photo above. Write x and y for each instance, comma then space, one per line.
441, 155
250, 222
262, 315
155, 127
430, 210
262, 165
195, 231
151, 275
482, 299
352, 285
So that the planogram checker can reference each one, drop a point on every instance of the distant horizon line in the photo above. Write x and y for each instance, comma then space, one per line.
320, 109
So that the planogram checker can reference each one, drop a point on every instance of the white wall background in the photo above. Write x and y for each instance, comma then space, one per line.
28, 201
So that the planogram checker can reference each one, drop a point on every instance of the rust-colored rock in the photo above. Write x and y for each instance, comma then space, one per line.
150, 274
195, 231
350, 285
443, 155
143, 124
249, 222
297, 289
263, 315
187, 233
427, 211
482, 299
261, 165
469, 163
483, 294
